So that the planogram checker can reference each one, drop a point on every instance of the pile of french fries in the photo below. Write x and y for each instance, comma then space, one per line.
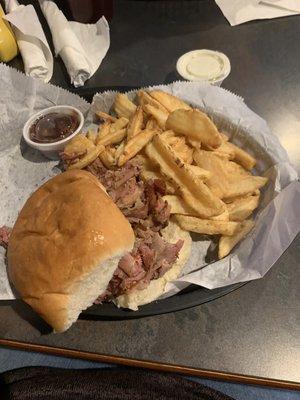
210, 187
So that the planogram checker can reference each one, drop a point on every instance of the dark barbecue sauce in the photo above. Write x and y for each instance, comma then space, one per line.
53, 127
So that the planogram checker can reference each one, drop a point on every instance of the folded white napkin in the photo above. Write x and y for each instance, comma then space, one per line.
82, 47
240, 11
33, 45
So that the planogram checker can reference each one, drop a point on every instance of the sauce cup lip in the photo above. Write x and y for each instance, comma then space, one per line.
46, 111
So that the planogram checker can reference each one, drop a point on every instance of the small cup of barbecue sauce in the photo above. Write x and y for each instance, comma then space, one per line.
49, 130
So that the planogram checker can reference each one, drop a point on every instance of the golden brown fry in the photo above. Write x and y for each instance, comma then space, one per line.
242, 157
119, 151
107, 158
183, 151
79, 144
194, 192
207, 226
105, 117
245, 185
88, 158
174, 140
113, 138
103, 130
228, 179
200, 172
195, 125
170, 102
167, 135
119, 124
135, 123
123, 106
221, 217
135, 145
92, 136
146, 175
235, 169
194, 143
225, 150
242, 208
227, 243
144, 98
159, 115
152, 125
178, 206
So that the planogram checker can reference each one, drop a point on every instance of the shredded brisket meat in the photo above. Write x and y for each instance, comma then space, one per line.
4, 235
148, 213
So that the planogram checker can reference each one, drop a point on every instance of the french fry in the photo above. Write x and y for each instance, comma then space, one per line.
146, 175
227, 243
135, 123
123, 106
183, 151
245, 185
225, 150
178, 206
105, 117
242, 157
170, 102
103, 130
159, 115
152, 125
228, 179
134, 145
200, 172
194, 192
145, 99
174, 140
221, 217
207, 226
119, 124
195, 125
194, 143
113, 138
119, 151
88, 158
235, 169
107, 158
240, 209
167, 135
92, 136
79, 144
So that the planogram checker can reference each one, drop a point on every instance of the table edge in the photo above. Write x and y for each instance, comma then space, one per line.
153, 365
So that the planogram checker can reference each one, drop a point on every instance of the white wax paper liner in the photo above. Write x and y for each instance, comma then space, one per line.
276, 222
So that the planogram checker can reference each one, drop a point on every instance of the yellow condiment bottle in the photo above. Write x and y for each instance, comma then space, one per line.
8, 44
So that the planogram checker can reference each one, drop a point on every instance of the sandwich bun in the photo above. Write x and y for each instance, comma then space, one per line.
132, 300
65, 246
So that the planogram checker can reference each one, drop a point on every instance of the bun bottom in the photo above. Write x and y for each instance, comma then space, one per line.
172, 233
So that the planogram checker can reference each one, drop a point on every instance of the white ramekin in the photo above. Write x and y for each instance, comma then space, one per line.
216, 70
51, 150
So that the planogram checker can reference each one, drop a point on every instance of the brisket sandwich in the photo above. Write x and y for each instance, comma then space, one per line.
94, 236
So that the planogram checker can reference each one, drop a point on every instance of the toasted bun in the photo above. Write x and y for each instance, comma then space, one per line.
156, 288
66, 245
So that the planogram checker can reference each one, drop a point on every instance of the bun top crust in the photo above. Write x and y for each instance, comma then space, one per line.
65, 230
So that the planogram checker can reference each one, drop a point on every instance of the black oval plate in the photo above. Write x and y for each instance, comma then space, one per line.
192, 296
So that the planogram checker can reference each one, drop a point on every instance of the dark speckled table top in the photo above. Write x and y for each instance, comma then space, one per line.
256, 329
